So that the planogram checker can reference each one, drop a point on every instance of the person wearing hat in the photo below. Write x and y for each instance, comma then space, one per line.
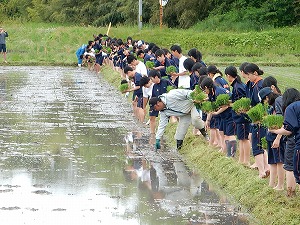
291, 126
275, 143
3, 36
271, 82
176, 102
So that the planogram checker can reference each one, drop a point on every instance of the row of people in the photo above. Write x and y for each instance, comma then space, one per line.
227, 128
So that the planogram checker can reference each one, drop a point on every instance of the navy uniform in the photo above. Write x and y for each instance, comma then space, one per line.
242, 121
292, 123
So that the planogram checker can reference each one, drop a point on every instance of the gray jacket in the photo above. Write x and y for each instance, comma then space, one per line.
2, 37
178, 103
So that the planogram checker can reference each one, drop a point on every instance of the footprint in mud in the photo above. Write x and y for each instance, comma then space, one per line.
32, 209
10, 208
6, 190
59, 210
42, 192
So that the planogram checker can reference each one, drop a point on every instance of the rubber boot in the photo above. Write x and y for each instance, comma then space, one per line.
204, 134
231, 148
179, 144
228, 148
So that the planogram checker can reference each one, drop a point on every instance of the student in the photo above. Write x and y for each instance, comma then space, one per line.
258, 131
137, 97
213, 121
291, 126
217, 76
174, 61
275, 143
161, 62
138, 65
176, 102
188, 65
241, 121
79, 54
183, 77
159, 87
143, 54
196, 55
3, 36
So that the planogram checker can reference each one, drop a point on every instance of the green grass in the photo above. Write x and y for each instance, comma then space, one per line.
55, 44
240, 183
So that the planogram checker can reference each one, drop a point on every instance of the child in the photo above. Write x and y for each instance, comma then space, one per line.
291, 126
213, 121
137, 97
275, 143
242, 123
254, 75
217, 76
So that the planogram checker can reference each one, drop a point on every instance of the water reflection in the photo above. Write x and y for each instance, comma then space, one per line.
174, 189
66, 157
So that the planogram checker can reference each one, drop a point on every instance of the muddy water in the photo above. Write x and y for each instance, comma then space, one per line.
71, 153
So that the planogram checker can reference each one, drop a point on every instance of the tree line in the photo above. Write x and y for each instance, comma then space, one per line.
179, 14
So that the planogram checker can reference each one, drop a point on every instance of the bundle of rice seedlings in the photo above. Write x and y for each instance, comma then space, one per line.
257, 113
107, 50
222, 99
198, 95
273, 122
208, 106
124, 86
242, 105
150, 65
169, 88
171, 69
264, 143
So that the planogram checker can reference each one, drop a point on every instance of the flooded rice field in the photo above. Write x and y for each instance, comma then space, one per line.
71, 153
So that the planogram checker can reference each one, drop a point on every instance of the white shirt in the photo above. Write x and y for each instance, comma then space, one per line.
183, 81
147, 92
141, 68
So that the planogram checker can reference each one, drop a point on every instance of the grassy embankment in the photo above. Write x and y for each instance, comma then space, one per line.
265, 204
43, 44
53, 44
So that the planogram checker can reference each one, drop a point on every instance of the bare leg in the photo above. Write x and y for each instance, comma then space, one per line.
152, 124
259, 160
290, 183
222, 142
280, 175
247, 149
273, 175
4, 56
242, 152
266, 160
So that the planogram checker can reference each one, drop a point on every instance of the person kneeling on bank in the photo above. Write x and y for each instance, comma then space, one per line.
176, 102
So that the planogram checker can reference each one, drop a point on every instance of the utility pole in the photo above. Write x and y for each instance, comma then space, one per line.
162, 3
160, 14
140, 19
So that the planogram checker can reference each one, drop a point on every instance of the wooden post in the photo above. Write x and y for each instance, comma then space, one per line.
160, 15
108, 28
